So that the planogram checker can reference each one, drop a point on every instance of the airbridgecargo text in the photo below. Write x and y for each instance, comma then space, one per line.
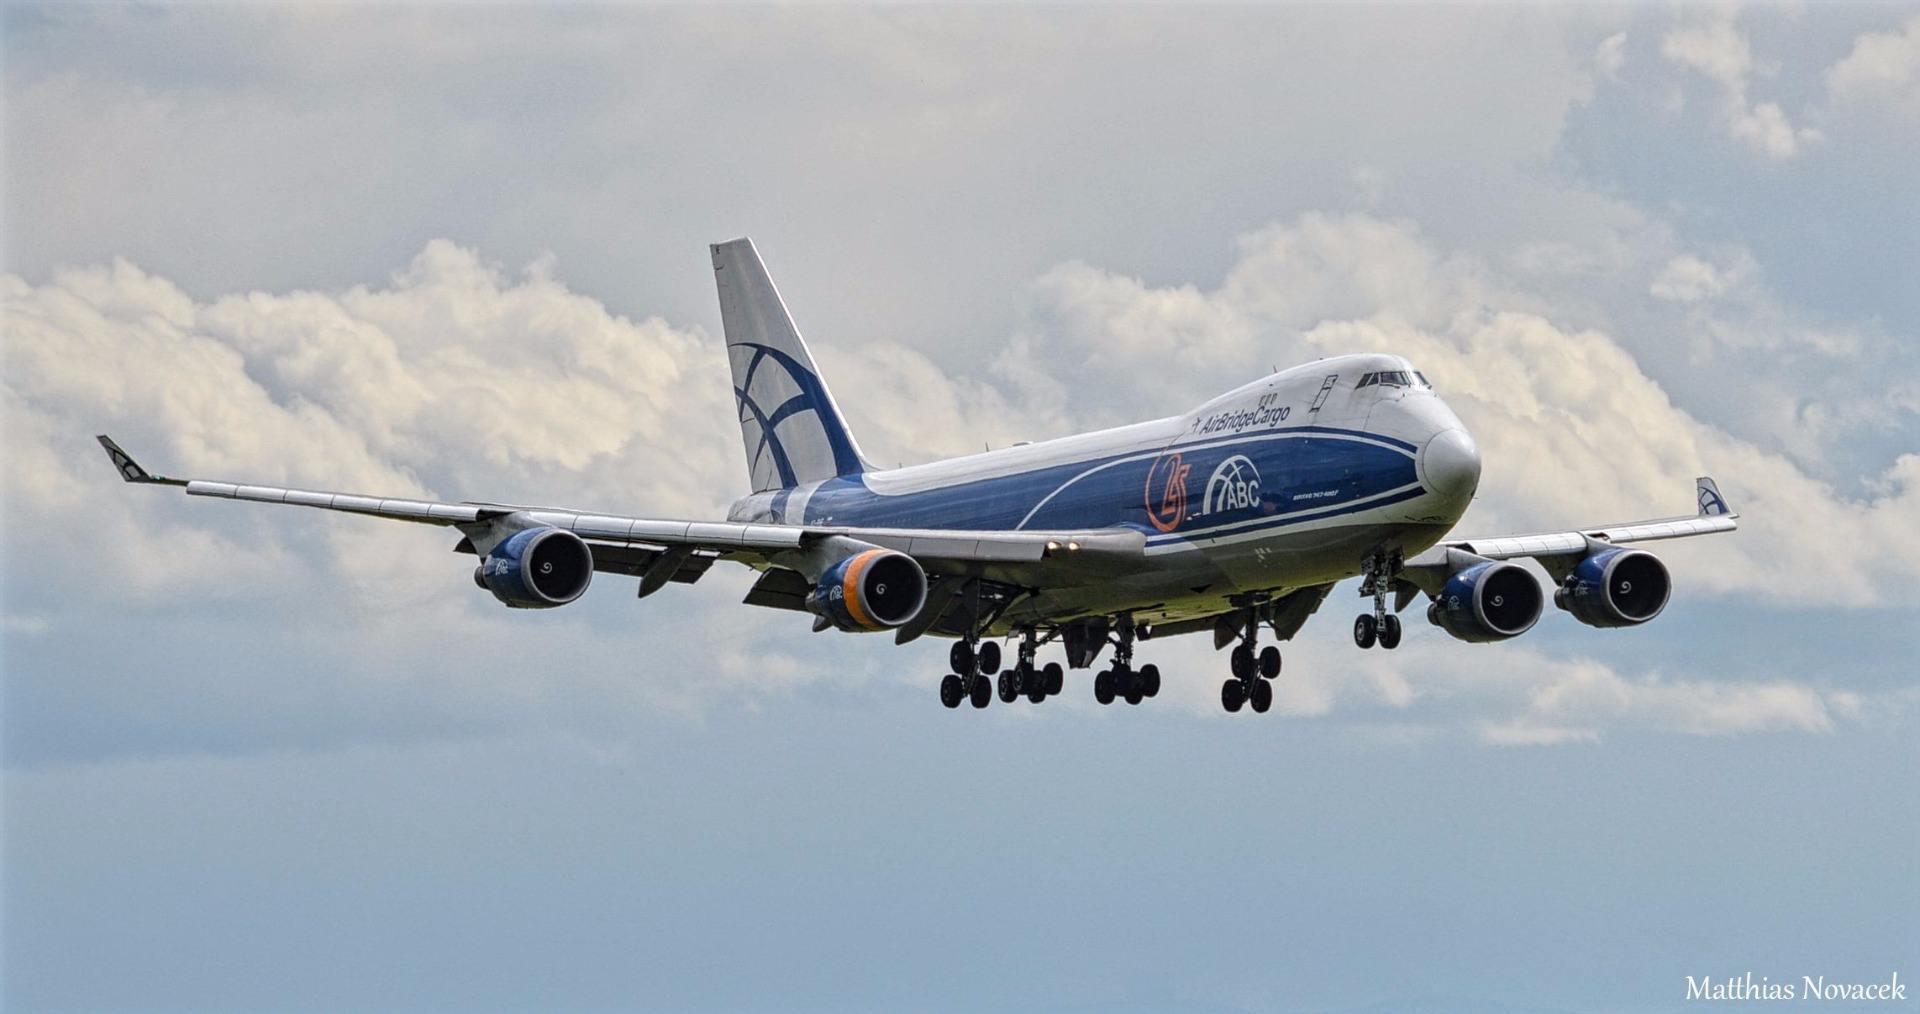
1242, 419
1810, 987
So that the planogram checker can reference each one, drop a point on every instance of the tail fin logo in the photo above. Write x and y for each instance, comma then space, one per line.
808, 448
1166, 492
1711, 502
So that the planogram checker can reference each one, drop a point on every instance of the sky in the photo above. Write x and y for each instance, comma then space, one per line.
275, 759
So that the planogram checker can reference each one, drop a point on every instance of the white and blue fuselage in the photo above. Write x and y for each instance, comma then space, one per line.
1285, 482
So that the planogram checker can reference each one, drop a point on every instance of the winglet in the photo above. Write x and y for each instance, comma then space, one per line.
130, 469
1711, 502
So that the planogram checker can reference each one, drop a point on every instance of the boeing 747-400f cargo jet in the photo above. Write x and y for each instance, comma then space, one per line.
1238, 516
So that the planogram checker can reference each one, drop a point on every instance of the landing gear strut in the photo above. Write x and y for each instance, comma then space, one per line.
1379, 572
1253, 668
1123, 680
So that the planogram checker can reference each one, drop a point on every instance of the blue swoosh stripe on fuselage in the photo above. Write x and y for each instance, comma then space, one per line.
1296, 474
1278, 521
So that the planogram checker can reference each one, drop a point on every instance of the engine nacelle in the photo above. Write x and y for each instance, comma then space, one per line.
1615, 588
873, 590
537, 568
1488, 602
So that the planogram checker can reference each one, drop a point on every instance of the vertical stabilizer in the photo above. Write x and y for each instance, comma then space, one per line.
794, 432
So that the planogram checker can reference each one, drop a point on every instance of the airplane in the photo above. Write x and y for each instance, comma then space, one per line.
1238, 516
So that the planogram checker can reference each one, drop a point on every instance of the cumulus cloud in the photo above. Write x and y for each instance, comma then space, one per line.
1881, 65
1717, 50
456, 379
1689, 279
1611, 55
1573, 430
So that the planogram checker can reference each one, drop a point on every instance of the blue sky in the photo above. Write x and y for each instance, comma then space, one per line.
263, 759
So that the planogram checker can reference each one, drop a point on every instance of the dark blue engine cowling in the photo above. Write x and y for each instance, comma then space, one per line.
875, 590
1488, 602
1615, 588
537, 568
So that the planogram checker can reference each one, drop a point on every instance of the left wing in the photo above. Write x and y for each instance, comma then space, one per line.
1560, 551
1027, 558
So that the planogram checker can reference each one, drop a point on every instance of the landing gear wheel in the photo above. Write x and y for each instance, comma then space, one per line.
1233, 694
1056, 679
1269, 662
1150, 680
1132, 687
1244, 662
1364, 631
989, 654
1390, 633
1009, 686
1103, 687
961, 656
1260, 695
1033, 683
951, 691
982, 691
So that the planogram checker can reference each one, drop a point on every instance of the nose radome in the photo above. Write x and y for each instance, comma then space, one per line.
1450, 464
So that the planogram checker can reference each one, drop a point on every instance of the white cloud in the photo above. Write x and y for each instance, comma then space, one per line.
1547, 403
456, 380
1717, 50
1689, 279
1881, 65
1611, 55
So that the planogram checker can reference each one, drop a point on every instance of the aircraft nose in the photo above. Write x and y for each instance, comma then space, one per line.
1450, 464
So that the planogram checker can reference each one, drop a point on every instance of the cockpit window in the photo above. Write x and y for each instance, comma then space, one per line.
1393, 378
1422, 378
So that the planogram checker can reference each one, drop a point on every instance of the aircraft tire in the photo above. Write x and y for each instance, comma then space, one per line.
1233, 694
1035, 687
961, 657
1260, 695
1103, 687
1390, 633
1056, 679
1269, 662
982, 691
1150, 680
1364, 631
1009, 686
989, 657
950, 691
1243, 661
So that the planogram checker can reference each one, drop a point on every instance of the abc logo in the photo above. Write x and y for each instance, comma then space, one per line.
1234, 485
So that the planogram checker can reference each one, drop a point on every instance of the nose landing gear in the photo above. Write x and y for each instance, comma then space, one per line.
1379, 573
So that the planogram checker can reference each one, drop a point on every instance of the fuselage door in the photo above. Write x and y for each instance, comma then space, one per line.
1326, 388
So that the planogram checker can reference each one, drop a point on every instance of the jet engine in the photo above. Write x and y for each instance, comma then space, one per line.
877, 589
1615, 588
537, 568
1487, 602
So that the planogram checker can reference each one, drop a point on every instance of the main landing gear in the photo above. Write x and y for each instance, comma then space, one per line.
974, 664
1123, 681
1379, 626
1253, 670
